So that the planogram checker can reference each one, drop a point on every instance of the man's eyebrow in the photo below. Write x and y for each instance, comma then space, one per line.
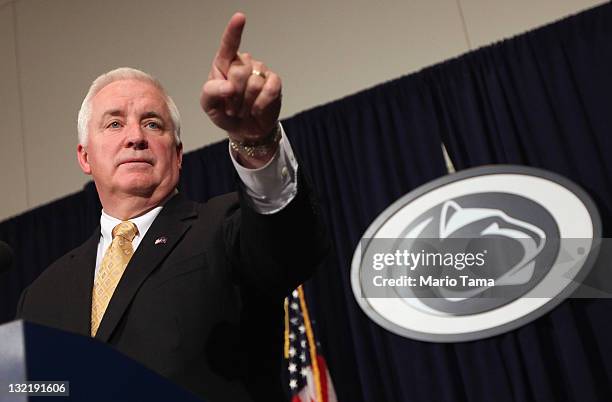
112, 112
151, 114
118, 112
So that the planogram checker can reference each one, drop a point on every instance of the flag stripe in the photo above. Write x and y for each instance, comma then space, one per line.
323, 378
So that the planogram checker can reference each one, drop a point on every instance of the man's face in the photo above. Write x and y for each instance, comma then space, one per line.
131, 150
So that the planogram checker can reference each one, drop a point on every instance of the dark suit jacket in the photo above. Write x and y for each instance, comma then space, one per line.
205, 308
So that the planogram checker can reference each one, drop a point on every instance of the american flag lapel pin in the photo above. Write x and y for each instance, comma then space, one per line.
161, 240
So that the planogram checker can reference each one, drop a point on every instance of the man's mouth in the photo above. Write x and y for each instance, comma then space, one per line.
136, 161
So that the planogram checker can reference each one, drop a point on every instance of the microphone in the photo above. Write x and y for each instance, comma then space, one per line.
6, 257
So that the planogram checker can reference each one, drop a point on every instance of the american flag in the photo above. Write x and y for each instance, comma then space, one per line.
307, 373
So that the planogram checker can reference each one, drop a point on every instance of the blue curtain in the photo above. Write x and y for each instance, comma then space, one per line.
539, 99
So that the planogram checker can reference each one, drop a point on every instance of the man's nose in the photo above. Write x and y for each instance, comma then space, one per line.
136, 138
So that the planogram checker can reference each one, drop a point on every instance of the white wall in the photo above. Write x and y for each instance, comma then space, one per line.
50, 50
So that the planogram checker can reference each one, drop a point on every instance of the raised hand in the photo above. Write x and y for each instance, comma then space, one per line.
242, 96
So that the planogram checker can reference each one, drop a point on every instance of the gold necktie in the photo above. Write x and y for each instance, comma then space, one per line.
111, 269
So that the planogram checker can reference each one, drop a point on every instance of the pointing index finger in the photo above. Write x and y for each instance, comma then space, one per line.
230, 42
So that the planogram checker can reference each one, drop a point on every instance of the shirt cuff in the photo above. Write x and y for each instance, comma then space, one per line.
271, 187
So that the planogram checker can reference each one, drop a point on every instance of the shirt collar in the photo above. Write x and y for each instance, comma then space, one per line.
143, 222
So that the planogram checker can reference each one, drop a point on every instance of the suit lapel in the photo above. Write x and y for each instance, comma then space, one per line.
167, 229
77, 311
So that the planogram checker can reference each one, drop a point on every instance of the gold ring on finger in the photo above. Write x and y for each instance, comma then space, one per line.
258, 73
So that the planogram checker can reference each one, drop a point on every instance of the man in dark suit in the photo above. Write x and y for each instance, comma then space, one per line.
193, 291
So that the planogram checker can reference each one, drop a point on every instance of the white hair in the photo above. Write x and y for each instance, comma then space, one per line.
123, 73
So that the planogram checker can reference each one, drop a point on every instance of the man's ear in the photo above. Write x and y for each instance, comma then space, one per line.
83, 158
179, 155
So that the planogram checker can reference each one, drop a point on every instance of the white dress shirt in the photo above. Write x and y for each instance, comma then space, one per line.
270, 188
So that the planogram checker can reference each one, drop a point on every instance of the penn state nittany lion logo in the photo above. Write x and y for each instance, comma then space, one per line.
475, 253
514, 249
454, 220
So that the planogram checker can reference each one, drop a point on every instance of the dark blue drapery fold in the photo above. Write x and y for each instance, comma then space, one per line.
539, 99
